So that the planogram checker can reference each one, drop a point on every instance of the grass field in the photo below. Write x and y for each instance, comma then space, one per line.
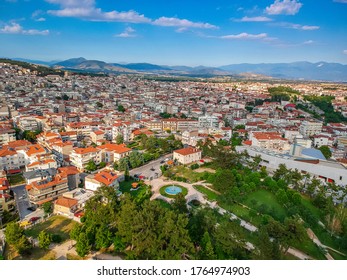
164, 204
55, 225
267, 198
208, 193
187, 173
125, 187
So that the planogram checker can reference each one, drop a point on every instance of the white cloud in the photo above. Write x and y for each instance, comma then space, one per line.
36, 15
246, 36
73, 3
308, 42
344, 52
127, 33
285, 7
41, 19
253, 19
341, 1
15, 28
176, 22
87, 10
298, 26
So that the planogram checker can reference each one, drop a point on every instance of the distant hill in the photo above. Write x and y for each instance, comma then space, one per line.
70, 62
91, 65
320, 71
297, 70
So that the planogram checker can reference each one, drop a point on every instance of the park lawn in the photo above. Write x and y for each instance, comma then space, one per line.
164, 204
125, 187
55, 225
242, 213
210, 194
41, 254
187, 173
267, 198
310, 249
337, 256
15, 179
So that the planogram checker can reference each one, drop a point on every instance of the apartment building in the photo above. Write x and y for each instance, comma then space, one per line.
80, 157
269, 140
308, 128
47, 189
6, 136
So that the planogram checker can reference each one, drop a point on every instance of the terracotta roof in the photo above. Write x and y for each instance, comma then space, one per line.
187, 151
117, 148
69, 170
66, 202
18, 143
99, 132
268, 136
106, 178
35, 149
88, 150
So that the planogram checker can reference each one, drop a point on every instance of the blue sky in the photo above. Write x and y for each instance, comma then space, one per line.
177, 32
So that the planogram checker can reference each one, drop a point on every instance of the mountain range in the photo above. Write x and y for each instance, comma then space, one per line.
320, 71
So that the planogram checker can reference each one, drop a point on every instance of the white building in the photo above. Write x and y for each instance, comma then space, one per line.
308, 128
187, 155
208, 121
328, 171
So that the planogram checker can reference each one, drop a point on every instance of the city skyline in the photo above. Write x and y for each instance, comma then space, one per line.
180, 33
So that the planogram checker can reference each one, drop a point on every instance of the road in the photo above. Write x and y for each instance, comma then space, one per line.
150, 170
22, 202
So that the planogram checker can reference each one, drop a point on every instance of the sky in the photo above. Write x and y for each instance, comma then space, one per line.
176, 32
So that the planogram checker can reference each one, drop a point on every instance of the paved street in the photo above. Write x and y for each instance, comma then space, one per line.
150, 170
23, 203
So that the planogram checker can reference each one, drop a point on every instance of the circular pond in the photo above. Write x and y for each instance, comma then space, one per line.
173, 190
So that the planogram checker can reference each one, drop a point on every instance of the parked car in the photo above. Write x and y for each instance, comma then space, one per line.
34, 219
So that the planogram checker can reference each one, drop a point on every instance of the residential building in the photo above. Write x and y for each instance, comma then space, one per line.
308, 128
103, 178
7, 202
187, 155
269, 140
80, 157
6, 136
47, 189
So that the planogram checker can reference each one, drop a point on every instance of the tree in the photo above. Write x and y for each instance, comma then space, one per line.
207, 250
136, 159
75, 231
99, 104
121, 108
119, 139
13, 233
103, 237
82, 246
91, 166
47, 207
325, 151
180, 204
123, 164
65, 97
45, 240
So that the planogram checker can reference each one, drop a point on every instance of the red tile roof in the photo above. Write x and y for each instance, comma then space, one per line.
187, 151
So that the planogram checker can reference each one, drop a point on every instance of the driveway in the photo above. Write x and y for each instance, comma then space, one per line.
151, 170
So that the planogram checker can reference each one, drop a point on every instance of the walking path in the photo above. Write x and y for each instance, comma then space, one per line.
193, 194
